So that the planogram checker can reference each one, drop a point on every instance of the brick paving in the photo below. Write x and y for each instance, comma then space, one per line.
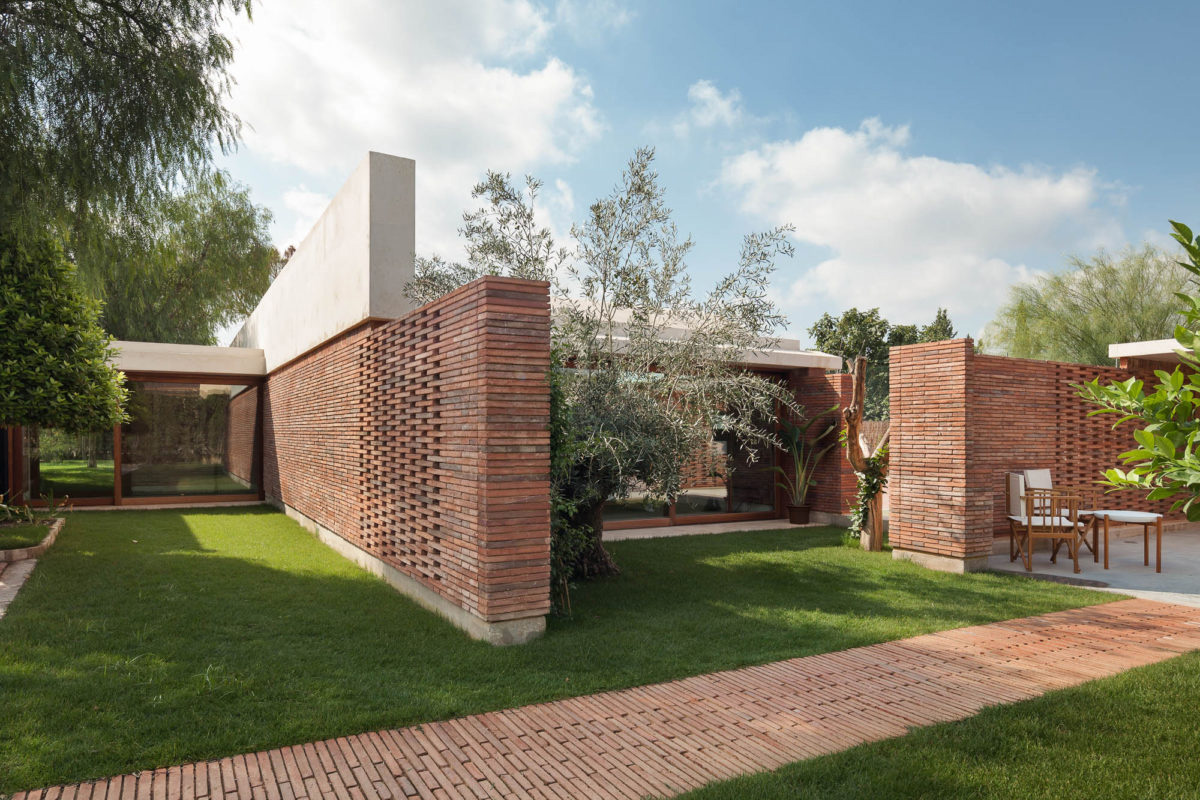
664, 739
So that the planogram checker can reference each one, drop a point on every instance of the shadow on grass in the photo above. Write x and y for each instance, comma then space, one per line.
156, 637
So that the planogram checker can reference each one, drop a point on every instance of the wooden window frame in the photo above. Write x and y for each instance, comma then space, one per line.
16, 462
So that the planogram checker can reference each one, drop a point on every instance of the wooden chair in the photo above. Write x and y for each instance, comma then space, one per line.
1045, 514
1089, 499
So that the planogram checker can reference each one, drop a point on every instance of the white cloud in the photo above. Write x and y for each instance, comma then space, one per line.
709, 107
460, 86
304, 207
911, 233
588, 20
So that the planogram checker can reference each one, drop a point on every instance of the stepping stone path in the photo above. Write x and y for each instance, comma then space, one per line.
12, 578
664, 739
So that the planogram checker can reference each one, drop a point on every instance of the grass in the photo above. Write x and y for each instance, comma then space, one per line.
22, 534
1130, 736
150, 480
75, 479
146, 638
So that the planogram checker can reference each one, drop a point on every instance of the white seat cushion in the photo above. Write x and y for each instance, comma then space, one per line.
1132, 517
1041, 522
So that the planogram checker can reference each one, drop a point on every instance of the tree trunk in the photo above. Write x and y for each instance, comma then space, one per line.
594, 561
872, 535
858, 455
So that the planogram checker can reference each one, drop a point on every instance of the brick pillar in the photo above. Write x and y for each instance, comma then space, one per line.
939, 516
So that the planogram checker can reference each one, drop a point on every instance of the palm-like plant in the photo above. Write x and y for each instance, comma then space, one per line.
806, 451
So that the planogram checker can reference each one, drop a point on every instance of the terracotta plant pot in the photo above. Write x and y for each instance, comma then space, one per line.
798, 515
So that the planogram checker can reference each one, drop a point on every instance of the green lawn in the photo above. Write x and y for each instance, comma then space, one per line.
24, 534
164, 480
75, 479
1134, 735
146, 638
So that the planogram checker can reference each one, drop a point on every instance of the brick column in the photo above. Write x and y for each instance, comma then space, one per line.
937, 517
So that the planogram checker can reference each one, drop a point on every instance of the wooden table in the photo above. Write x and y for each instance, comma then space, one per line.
1143, 518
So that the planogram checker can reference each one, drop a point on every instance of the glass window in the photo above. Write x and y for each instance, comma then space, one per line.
751, 483
65, 465
190, 439
638, 505
705, 482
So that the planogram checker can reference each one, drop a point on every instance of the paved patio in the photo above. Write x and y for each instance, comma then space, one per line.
1179, 581
664, 739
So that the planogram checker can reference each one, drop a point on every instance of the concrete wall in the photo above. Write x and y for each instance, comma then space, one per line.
351, 267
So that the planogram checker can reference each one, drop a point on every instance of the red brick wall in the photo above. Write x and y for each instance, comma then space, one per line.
241, 420
424, 442
960, 421
817, 392
314, 416
932, 509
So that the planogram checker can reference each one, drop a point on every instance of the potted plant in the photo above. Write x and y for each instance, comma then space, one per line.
806, 452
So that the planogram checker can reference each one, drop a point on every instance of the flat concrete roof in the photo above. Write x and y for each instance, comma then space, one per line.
785, 354
1154, 350
189, 358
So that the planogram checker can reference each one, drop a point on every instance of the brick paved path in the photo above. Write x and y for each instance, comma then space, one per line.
667, 738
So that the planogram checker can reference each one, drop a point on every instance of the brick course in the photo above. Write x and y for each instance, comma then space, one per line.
960, 421
424, 441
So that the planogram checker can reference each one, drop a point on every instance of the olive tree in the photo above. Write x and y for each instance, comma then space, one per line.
646, 367
1164, 462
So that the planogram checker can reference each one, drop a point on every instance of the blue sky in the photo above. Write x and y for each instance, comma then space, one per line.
929, 154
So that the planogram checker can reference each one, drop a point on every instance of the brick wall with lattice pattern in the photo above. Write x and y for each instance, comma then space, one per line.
960, 421
424, 442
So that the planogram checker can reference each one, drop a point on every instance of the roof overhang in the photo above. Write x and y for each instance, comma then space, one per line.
1164, 350
783, 354
189, 359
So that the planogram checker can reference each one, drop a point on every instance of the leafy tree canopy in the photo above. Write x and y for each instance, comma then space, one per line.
104, 102
53, 356
1166, 417
866, 333
182, 266
645, 373
1076, 314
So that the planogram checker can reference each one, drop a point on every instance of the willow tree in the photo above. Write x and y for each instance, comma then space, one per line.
646, 365
105, 102
179, 267
1076, 314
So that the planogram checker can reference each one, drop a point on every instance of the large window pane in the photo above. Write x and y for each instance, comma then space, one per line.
705, 482
751, 483
637, 506
190, 439
63, 465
